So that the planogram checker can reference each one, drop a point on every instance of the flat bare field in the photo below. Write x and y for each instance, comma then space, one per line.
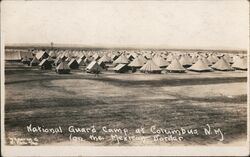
169, 101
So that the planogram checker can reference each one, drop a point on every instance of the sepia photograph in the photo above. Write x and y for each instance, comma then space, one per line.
124, 78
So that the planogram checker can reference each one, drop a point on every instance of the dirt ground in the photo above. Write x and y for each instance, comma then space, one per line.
169, 101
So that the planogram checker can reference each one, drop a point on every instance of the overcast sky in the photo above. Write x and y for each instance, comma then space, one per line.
163, 24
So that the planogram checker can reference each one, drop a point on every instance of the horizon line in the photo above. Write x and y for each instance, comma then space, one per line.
78, 46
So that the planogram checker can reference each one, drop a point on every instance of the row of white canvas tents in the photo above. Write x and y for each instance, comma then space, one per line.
148, 61
179, 65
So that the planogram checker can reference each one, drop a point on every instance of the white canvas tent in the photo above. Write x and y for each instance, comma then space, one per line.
121, 68
34, 62
122, 59
206, 61
63, 68
200, 66
105, 59
212, 59
175, 66
137, 62
41, 55
150, 67
159, 61
73, 64
96, 56
93, 67
222, 65
240, 64
185, 60
52, 54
